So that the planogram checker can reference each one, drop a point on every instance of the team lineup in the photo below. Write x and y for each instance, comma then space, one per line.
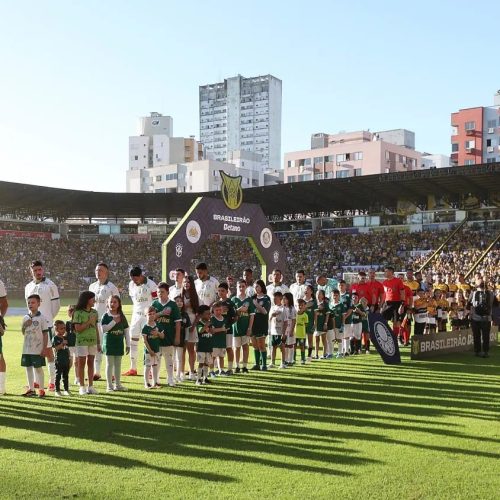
202, 323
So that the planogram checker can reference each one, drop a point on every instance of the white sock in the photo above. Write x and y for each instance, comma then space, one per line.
169, 358
30, 375
2, 383
205, 371
118, 371
156, 372
40, 377
147, 370
229, 365
52, 373
98, 363
110, 365
133, 354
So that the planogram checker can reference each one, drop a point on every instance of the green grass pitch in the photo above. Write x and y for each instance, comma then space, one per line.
351, 428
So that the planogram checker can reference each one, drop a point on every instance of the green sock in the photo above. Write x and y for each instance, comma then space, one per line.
263, 355
257, 357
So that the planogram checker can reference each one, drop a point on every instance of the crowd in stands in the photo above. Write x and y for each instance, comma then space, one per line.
71, 262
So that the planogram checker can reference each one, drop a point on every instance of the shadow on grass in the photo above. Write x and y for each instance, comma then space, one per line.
93, 457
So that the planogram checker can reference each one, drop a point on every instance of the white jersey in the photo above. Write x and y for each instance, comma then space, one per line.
271, 289
33, 334
49, 297
276, 322
3, 291
142, 296
298, 291
174, 291
207, 290
103, 291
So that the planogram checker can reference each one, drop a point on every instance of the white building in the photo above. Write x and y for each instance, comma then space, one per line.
154, 147
435, 161
202, 176
242, 114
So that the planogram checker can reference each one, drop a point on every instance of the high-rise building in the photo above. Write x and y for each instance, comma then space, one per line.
242, 114
350, 154
475, 136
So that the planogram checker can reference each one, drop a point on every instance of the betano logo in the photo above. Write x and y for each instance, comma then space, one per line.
232, 194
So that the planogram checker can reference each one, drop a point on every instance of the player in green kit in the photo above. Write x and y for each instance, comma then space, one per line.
337, 311
242, 327
168, 318
358, 313
114, 326
321, 314
204, 346
310, 301
230, 317
346, 300
151, 335
260, 326
219, 330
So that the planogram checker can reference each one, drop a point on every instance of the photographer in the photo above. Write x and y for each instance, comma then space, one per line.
479, 306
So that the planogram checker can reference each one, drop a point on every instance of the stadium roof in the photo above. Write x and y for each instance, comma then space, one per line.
320, 196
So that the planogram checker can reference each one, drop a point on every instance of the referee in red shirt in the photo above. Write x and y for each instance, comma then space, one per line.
394, 298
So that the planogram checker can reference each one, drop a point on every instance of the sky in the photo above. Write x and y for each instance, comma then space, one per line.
75, 75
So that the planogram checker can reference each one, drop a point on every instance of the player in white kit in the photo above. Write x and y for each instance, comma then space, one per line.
142, 291
103, 289
49, 307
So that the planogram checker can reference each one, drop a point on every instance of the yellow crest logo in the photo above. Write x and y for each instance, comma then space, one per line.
232, 193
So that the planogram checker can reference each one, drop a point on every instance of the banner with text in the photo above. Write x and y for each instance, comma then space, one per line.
437, 344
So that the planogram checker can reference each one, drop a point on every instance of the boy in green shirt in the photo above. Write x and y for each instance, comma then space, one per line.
152, 336
219, 329
204, 347
242, 328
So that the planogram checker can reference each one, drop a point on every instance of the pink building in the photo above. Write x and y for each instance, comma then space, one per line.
352, 154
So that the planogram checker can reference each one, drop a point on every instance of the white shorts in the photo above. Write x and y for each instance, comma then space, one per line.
167, 350
319, 334
357, 329
72, 351
229, 340
348, 331
218, 352
431, 321
138, 321
240, 341
83, 351
205, 358
290, 340
333, 334
151, 360
191, 336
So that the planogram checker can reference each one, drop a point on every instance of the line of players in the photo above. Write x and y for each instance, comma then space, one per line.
293, 318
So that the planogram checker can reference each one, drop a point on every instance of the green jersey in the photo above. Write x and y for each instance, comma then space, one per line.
61, 355
310, 308
261, 320
345, 299
321, 312
150, 334
229, 313
301, 321
205, 338
336, 313
240, 327
112, 341
166, 322
356, 315
219, 339
89, 335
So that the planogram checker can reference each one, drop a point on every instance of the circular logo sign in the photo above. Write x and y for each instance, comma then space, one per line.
172, 274
276, 257
266, 237
385, 338
193, 231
